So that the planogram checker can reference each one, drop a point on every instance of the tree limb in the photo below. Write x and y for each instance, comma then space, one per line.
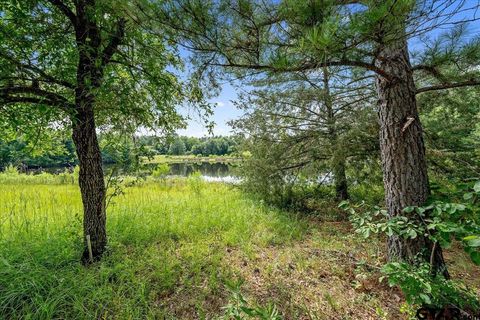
468, 83
38, 71
59, 4
309, 66
432, 71
114, 42
8, 95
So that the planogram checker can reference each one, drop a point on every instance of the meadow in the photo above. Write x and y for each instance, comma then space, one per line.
186, 249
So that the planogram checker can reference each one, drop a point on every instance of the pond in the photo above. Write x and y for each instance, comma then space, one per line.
210, 171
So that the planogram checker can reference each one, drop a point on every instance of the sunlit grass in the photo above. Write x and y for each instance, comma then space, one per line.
163, 237
175, 245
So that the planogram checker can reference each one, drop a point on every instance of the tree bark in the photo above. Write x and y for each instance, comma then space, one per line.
402, 150
91, 181
338, 160
91, 64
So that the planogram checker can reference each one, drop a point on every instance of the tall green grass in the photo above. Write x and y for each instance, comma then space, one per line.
166, 240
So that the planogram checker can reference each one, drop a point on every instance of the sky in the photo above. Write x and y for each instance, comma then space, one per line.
224, 112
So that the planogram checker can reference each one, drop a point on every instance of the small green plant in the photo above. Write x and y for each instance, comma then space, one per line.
420, 288
76, 173
66, 177
161, 171
196, 183
11, 170
239, 308
441, 223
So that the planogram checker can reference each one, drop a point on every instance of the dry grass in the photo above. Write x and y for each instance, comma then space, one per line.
331, 274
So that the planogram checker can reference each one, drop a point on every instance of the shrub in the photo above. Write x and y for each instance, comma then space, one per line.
441, 223
161, 171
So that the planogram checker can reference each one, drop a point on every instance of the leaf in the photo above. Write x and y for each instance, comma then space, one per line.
344, 204
476, 187
419, 210
425, 298
248, 311
472, 241
468, 196
412, 234
408, 209
475, 256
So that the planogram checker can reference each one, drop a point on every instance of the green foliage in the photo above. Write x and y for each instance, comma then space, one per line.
440, 222
420, 288
452, 133
196, 182
11, 176
161, 171
177, 147
136, 87
51, 149
239, 309
11, 171
180, 145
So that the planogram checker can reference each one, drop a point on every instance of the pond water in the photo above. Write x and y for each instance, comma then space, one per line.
210, 171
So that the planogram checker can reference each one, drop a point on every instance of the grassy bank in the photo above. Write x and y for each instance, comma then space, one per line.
185, 249
190, 159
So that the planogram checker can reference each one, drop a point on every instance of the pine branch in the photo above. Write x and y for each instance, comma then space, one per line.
468, 83
308, 66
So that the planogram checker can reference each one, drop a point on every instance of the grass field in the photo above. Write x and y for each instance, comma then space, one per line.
185, 249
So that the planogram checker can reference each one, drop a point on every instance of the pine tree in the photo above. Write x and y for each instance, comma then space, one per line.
249, 39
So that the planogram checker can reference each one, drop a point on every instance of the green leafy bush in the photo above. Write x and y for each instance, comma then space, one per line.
161, 171
442, 223
420, 288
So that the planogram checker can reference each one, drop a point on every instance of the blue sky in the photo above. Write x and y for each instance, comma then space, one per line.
224, 112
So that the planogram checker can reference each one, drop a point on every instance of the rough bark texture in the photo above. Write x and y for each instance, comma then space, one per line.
94, 54
402, 149
91, 181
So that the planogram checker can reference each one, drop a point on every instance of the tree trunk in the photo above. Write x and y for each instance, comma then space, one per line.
91, 181
338, 160
341, 188
402, 150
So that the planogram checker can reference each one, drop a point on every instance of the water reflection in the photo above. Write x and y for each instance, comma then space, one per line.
210, 171
205, 168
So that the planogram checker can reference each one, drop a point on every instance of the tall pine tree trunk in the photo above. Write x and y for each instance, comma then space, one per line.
337, 161
91, 181
402, 150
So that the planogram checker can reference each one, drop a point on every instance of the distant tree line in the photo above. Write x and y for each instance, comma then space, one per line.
183, 145
23, 152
